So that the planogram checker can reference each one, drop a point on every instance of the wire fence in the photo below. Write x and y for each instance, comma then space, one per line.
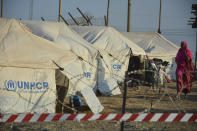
152, 98
154, 88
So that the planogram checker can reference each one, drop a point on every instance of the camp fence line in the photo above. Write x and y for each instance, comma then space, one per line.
137, 117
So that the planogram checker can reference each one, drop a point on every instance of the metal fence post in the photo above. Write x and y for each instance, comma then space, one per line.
124, 99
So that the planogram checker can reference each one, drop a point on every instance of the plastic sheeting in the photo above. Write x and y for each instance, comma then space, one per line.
96, 107
109, 87
156, 46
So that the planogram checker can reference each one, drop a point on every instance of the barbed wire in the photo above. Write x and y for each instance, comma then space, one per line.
129, 79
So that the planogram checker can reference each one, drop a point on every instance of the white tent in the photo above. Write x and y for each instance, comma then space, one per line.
61, 34
27, 75
70, 40
114, 47
156, 46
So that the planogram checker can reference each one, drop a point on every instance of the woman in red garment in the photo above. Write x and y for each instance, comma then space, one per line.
184, 71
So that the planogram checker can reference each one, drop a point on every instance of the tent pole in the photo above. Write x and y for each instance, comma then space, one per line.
73, 18
64, 20
129, 16
87, 19
31, 10
60, 10
107, 20
159, 30
2, 8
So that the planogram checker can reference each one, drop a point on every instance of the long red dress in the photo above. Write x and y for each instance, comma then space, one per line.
185, 70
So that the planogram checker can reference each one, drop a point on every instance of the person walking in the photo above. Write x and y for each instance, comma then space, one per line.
162, 73
184, 70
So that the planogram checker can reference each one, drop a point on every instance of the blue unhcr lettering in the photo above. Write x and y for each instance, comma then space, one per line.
10, 84
26, 85
18, 83
32, 84
87, 74
119, 67
45, 85
38, 85
116, 67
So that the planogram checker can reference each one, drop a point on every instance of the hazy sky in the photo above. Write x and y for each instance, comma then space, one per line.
144, 14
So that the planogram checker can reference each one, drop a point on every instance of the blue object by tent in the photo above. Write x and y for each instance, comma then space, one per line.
75, 101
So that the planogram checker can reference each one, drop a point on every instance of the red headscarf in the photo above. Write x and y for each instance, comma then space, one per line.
181, 55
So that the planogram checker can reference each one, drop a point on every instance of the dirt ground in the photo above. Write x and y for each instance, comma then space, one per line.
139, 99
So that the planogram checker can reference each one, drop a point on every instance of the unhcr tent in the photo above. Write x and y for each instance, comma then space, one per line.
27, 75
61, 34
156, 46
114, 47
89, 55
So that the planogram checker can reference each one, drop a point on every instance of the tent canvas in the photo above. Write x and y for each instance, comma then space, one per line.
70, 40
113, 46
22, 51
81, 73
27, 70
156, 46
61, 34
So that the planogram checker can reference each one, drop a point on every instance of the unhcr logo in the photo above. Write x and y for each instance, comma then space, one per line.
116, 67
26, 86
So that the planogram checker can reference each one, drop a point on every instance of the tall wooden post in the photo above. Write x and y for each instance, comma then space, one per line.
105, 20
129, 16
159, 30
60, 10
2, 8
31, 9
108, 4
124, 99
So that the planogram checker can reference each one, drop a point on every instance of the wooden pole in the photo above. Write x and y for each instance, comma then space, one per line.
2, 8
60, 10
64, 20
159, 30
105, 20
124, 99
108, 4
87, 20
129, 16
31, 10
73, 18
